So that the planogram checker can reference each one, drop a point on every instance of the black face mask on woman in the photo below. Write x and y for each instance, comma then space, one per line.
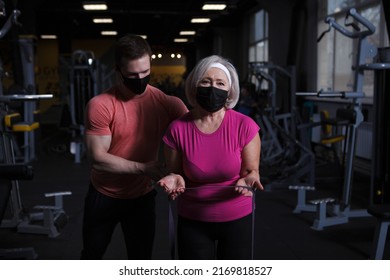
136, 85
211, 99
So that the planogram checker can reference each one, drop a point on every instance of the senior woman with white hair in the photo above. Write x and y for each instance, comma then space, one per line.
213, 155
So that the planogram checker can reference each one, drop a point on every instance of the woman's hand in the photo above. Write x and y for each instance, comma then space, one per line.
173, 185
248, 181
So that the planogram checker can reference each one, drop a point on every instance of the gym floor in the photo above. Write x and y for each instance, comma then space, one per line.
280, 234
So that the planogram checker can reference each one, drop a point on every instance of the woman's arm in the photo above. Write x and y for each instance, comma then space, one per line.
250, 166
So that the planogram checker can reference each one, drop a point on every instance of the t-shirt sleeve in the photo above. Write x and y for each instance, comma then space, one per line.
177, 108
170, 136
249, 130
98, 117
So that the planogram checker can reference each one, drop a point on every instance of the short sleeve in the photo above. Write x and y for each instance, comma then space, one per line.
249, 129
170, 137
98, 116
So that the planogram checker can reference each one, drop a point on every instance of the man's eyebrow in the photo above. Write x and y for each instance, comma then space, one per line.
134, 73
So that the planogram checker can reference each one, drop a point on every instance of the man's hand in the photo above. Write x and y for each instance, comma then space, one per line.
154, 170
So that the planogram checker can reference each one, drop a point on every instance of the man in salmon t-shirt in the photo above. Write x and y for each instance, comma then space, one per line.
124, 128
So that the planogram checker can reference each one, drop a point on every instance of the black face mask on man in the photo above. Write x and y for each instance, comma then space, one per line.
211, 99
136, 85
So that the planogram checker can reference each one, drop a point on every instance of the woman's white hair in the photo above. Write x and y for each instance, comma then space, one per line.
198, 72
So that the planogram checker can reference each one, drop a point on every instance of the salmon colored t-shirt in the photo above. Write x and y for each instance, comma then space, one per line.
136, 127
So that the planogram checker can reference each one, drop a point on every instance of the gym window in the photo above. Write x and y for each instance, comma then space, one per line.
258, 36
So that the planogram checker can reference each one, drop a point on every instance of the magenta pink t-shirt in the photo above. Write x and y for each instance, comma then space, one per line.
210, 163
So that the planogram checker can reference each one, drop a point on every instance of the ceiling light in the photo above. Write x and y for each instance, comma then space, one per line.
143, 37
176, 55
109, 33
102, 20
200, 20
214, 7
180, 40
48, 36
188, 32
94, 6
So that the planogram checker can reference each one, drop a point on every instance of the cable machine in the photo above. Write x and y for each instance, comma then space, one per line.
83, 86
380, 176
288, 160
340, 211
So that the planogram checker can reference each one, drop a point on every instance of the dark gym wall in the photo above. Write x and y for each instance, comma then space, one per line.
292, 39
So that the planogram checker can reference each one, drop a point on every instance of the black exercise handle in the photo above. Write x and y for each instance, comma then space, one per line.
370, 28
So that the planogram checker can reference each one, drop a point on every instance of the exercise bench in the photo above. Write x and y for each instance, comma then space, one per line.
48, 219
302, 205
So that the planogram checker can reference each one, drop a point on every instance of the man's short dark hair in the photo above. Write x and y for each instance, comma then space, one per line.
130, 47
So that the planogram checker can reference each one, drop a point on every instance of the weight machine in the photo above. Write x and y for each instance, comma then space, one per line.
83, 86
48, 218
332, 211
26, 46
281, 143
380, 184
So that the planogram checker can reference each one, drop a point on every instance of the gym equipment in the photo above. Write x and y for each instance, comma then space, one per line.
331, 135
380, 177
10, 172
380, 185
83, 86
12, 20
26, 45
28, 124
16, 171
50, 218
382, 214
330, 149
340, 211
283, 155
302, 205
